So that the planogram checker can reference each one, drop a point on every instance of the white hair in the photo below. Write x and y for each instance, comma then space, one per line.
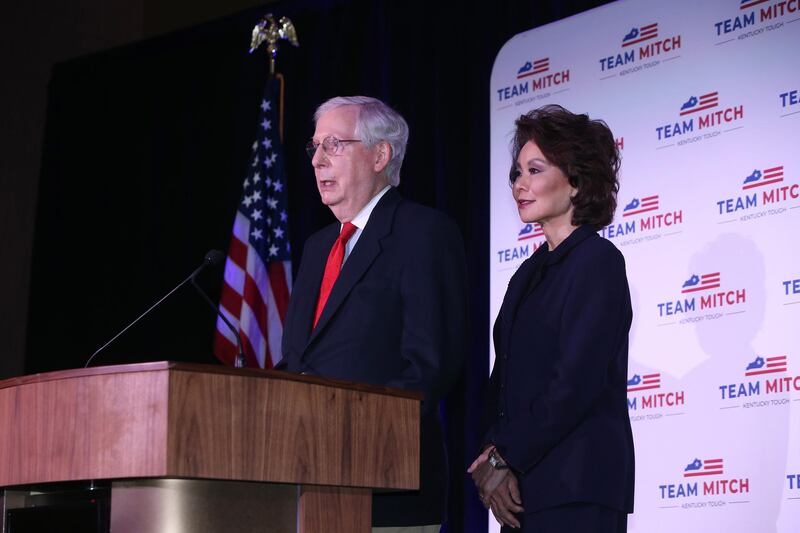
376, 122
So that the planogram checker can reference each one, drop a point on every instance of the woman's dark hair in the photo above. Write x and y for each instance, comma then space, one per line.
583, 149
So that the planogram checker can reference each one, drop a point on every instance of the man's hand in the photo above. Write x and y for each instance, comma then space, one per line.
498, 489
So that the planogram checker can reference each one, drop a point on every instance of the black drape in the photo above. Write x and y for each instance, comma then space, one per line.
146, 147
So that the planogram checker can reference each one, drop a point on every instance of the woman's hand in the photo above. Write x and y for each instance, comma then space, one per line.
498, 489
506, 500
482, 458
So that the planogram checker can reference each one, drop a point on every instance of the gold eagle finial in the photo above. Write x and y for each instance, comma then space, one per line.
270, 31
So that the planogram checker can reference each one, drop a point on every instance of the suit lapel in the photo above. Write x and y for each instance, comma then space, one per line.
306, 294
362, 256
530, 274
522, 283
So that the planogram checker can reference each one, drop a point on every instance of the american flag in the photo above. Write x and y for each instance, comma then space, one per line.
258, 271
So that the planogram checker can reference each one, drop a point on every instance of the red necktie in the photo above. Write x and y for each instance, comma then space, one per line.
333, 267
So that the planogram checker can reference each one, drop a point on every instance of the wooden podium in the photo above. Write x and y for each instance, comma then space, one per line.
210, 448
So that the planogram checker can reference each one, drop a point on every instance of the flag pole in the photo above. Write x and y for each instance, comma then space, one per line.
270, 31
281, 84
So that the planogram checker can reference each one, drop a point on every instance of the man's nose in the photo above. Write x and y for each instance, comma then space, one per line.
319, 159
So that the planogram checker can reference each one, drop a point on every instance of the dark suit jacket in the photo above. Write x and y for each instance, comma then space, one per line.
395, 317
557, 396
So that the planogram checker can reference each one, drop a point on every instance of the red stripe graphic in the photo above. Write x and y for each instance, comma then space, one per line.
769, 176
751, 4
707, 281
706, 101
537, 232
645, 33
773, 365
711, 467
539, 66
650, 203
649, 381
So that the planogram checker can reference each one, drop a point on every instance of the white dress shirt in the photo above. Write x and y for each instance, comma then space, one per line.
360, 221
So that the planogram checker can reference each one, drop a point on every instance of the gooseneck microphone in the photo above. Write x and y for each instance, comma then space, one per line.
213, 257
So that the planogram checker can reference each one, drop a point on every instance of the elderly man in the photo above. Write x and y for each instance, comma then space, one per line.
380, 295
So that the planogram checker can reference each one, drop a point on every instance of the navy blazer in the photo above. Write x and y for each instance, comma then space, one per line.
396, 316
557, 405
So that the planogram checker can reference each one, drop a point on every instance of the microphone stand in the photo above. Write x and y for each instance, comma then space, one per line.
239, 362
181, 284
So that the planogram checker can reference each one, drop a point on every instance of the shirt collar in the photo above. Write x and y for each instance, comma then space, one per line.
361, 219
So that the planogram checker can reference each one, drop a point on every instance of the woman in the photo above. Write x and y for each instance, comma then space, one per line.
558, 453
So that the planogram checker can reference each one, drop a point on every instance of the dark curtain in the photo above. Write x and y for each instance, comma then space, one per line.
146, 148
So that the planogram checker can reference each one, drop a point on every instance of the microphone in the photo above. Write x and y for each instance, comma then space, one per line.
213, 257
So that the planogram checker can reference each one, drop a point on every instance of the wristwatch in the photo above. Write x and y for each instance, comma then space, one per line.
496, 462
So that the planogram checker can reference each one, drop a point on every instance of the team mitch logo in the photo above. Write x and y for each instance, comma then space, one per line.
706, 467
644, 392
760, 187
532, 76
753, 12
699, 112
641, 214
701, 295
530, 231
640, 43
769, 374
527, 243
713, 482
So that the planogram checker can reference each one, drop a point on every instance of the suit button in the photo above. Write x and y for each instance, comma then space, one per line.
502, 414
502, 385
505, 357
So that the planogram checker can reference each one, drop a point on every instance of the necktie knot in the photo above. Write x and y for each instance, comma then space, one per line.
348, 228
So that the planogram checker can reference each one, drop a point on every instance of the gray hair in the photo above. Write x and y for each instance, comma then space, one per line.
376, 122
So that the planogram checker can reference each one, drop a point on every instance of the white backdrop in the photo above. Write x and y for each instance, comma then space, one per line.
704, 101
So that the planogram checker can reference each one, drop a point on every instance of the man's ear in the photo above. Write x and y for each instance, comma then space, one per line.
383, 154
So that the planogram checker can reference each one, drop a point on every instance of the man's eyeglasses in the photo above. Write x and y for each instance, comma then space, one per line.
330, 145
